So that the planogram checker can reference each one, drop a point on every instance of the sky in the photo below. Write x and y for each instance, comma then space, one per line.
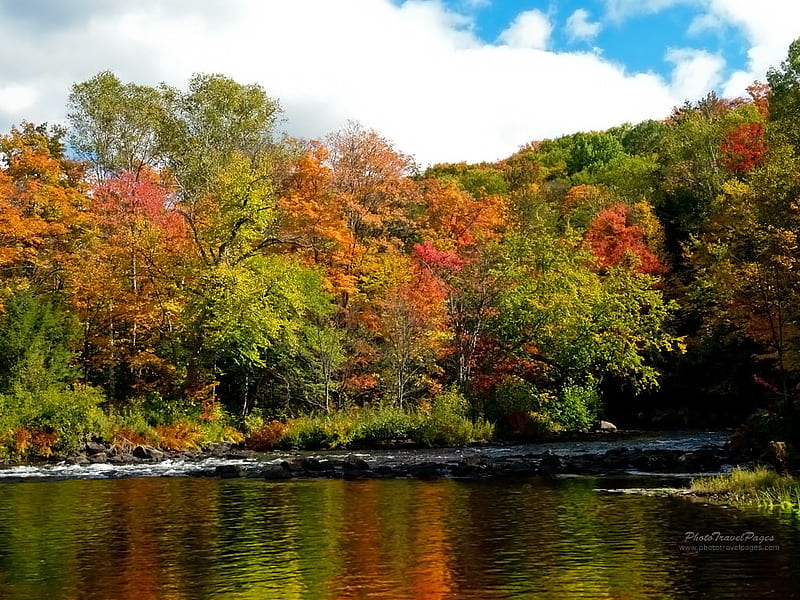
444, 80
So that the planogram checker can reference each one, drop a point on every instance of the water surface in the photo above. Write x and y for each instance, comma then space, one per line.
147, 538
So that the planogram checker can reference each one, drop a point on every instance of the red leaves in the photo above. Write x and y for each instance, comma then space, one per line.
130, 200
612, 239
744, 148
428, 256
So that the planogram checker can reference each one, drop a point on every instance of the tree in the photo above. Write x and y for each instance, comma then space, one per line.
581, 325
615, 240
784, 97
115, 126
41, 208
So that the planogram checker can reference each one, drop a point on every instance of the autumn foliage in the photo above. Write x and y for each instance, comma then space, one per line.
183, 267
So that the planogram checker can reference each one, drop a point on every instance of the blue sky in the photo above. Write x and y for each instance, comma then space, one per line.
639, 40
445, 80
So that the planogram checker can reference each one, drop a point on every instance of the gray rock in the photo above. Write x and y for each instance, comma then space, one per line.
275, 472
93, 448
550, 464
355, 463
229, 471
100, 457
77, 460
148, 453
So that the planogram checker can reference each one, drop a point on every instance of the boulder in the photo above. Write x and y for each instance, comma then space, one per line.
100, 457
355, 463
550, 464
229, 471
93, 448
275, 472
147, 453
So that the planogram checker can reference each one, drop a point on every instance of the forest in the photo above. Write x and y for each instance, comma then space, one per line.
175, 271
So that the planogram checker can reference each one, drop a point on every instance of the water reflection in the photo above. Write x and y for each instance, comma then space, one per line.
200, 538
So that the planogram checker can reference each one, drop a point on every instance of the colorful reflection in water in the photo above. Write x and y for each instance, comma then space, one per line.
183, 538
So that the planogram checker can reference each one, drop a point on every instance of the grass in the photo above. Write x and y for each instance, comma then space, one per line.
369, 427
758, 486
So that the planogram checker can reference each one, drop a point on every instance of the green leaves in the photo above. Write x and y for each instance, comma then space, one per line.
558, 311
253, 310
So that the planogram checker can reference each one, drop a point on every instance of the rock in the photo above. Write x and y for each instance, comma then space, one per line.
606, 426
77, 460
147, 453
100, 457
122, 458
220, 449
294, 464
386, 471
426, 470
229, 471
313, 464
274, 472
93, 448
355, 463
550, 464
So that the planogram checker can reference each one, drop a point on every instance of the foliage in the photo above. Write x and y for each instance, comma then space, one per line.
758, 486
195, 264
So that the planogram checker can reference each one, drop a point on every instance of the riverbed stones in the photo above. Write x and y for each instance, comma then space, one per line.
99, 458
92, 448
147, 453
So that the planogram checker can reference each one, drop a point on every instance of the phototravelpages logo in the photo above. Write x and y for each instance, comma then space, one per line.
716, 541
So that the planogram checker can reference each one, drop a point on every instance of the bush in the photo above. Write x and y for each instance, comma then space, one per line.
384, 423
446, 423
72, 416
524, 410
266, 436
759, 486
577, 408
335, 430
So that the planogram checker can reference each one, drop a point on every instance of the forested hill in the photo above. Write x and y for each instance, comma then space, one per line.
170, 267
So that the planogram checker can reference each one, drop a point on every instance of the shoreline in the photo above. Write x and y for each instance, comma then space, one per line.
591, 456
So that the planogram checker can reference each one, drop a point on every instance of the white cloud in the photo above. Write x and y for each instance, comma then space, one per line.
618, 10
704, 23
696, 72
416, 71
530, 29
769, 26
579, 27
15, 98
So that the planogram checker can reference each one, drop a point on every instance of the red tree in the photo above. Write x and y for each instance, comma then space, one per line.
613, 239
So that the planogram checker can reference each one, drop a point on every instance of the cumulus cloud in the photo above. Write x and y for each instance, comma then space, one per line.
696, 72
530, 29
579, 27
618, 10
415, 71
769, 26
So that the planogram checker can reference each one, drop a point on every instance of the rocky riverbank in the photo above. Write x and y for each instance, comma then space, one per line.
599, 457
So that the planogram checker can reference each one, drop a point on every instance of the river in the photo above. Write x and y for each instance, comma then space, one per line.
195, 538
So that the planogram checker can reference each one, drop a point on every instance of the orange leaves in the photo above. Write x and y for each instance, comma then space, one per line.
744, 148
613, 238
453, 219
40, 211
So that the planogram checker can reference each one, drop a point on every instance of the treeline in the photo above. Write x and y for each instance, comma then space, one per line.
170, 266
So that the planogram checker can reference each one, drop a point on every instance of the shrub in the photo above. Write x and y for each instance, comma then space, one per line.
315, 432
266, 436
577, 407
70, 416
384, 423
445, 423
180, 435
